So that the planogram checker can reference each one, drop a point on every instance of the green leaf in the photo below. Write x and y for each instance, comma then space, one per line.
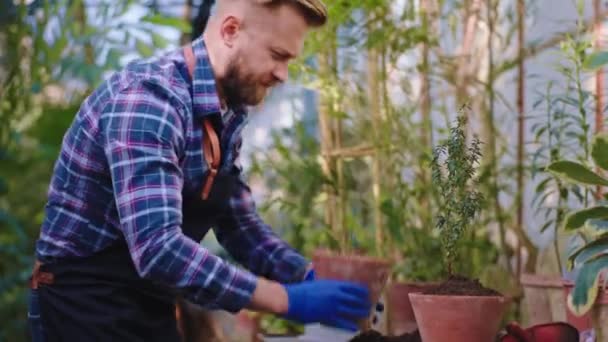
576, 173
546, 226
589, 251
159, 41
144, 49
586, 289
577, 219
596, 60
599, 151
597, 225
167, 21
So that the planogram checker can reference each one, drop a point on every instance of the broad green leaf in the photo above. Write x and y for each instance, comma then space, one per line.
167, 21
577, 219
576, 173
588, 251
596, 60
599, 151
144, 49
597, 225
586, 289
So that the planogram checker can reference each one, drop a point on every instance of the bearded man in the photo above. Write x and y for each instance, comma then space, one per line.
148, 166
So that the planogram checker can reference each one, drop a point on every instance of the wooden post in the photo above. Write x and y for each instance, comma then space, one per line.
599, 80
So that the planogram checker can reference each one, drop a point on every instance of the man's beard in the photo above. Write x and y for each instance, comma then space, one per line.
240, 88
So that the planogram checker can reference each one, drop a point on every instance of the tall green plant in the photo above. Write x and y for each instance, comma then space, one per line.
453, 170
591, 223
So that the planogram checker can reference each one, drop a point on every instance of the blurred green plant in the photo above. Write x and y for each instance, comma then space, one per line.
51, 54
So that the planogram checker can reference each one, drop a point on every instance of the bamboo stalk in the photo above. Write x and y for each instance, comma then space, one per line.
599, 82
81, 18
342, 195
187, 16
425, 110
326, 143
363, 150
521, 74
375, 108
490, 130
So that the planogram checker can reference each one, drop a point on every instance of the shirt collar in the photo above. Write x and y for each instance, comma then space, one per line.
205, 99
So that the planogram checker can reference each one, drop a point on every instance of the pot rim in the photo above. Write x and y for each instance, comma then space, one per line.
500, 298
322, 253
541, 280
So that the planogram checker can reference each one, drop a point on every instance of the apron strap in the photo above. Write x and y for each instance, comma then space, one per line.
38, 277
211, 145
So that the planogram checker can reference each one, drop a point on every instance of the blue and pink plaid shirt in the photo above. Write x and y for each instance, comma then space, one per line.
130, 155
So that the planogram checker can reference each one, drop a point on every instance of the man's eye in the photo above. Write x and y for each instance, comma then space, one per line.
277, 56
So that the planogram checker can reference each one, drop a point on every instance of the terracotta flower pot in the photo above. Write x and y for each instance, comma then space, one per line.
443, 318
399, 311
595, 319
369, 271
543, 298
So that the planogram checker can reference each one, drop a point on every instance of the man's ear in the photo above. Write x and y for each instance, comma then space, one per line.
231, 27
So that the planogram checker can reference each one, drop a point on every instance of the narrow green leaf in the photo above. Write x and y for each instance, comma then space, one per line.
586, 289
144, 49
599, 151
546, 226
596, 60
159, 41
576, 173
577, 219
168, 21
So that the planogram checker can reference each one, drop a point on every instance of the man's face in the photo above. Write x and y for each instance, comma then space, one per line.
266, 43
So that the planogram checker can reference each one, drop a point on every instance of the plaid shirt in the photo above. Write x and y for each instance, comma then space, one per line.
126, 163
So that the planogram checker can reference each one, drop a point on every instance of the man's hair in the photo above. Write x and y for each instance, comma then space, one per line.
314, 11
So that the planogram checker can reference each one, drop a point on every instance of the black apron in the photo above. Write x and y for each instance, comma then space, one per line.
102, 298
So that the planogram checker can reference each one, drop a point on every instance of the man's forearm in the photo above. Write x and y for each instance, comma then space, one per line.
269, 297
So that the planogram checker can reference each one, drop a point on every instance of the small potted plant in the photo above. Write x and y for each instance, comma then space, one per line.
459, 309
587, 298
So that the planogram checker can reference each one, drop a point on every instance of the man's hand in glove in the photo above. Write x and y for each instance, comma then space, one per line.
334, 303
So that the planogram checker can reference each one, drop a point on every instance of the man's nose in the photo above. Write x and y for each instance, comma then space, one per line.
281, 72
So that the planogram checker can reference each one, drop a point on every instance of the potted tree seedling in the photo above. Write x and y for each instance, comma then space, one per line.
459, 309
587, 298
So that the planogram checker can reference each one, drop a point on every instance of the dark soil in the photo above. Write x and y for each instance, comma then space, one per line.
374, 336
459, 285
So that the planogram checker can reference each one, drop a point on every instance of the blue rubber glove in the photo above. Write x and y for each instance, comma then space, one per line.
310, 275
334, 303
